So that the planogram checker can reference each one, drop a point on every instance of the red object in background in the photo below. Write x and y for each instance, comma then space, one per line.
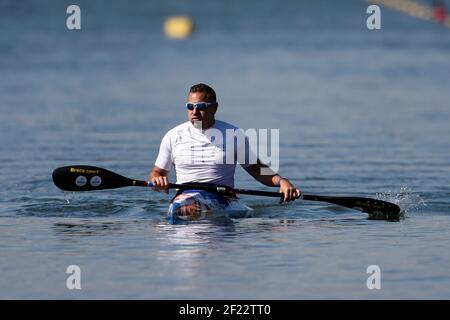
440, 14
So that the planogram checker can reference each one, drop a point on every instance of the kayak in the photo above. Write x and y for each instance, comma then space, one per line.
193, 205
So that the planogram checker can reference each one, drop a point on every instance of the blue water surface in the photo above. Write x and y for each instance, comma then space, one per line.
360, 113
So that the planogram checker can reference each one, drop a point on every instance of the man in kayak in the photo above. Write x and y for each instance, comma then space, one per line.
193, 152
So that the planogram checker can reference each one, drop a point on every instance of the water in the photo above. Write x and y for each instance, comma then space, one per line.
362, 113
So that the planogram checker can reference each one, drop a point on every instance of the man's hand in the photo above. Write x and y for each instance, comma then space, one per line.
160, 184
290, 191
158, 177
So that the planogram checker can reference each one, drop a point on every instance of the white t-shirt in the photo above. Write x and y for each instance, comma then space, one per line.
205, 155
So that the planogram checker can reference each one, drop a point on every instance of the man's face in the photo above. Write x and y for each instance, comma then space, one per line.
205, 116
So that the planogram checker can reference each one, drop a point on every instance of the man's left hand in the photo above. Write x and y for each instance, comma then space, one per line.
290, 191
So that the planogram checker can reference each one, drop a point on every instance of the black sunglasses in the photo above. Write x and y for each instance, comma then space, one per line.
200, 105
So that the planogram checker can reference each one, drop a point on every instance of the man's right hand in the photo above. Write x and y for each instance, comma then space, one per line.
158, 177
160, 184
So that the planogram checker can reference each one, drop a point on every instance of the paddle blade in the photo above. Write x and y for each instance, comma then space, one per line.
371, 206
89, 178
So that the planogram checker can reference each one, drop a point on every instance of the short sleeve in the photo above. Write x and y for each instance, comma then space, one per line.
164, 159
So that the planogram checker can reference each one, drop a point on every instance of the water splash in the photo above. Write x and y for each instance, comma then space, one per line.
405, 198
69, 196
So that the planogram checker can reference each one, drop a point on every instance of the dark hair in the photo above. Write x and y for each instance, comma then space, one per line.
201, 87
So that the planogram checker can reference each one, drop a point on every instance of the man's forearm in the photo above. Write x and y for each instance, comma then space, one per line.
271, 180
157, 172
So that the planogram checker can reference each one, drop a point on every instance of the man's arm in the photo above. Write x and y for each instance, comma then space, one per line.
158, 177
274, 180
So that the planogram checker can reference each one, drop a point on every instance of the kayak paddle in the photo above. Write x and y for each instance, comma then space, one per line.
90, 178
